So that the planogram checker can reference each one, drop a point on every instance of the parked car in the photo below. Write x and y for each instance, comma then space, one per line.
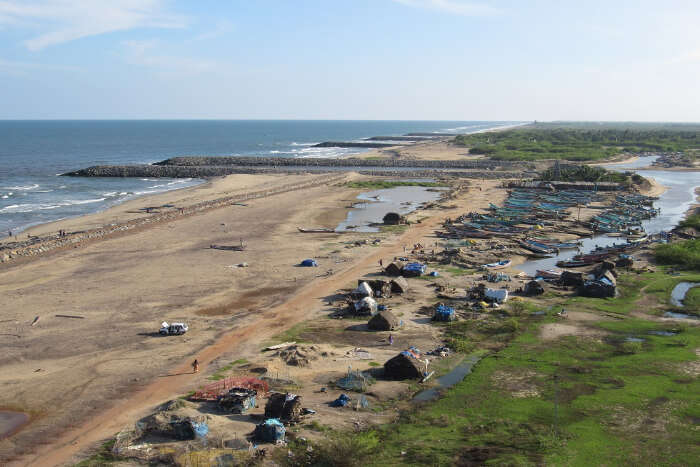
173, 329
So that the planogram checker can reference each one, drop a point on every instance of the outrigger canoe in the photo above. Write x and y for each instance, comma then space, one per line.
499, 265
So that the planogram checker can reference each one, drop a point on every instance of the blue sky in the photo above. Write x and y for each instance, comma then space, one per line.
351, 59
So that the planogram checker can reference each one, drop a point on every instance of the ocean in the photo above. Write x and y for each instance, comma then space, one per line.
34, 153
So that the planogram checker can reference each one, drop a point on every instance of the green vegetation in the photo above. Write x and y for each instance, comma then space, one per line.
691, 221
101, 458
692, 299
685, 254
338, 450
221, 372
398, 229
573, 401
587, 173
292, 334
577, 144
382, 184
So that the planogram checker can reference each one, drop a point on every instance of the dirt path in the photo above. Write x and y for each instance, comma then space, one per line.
297, 308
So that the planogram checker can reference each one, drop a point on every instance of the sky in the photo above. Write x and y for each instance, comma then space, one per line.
523, 60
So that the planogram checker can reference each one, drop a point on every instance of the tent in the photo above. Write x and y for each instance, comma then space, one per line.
363, 290
366, 306
413, 269
394, 269
399, 285
285, 407
271, 430
444, 313
406, 365
496, 295
383, 321
309, 263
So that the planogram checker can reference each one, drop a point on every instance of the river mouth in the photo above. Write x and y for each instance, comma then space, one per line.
11, 422
376, 204
673, 204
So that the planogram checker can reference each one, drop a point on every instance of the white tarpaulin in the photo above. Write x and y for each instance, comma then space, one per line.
496, 295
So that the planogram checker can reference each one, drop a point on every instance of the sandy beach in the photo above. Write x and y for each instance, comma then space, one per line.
107, 358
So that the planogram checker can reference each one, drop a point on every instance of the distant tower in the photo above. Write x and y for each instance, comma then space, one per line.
557, 170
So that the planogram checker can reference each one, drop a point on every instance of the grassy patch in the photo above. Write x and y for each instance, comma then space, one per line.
692, 299
457, 271
383, 184
393, 228
221, 372
591, 402
374, 364
102, 457
292, 334
691, 221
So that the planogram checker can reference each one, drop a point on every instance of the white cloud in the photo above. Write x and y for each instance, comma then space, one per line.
148, 54
692, 56
457, 7
16, 68
221, 28
65, 20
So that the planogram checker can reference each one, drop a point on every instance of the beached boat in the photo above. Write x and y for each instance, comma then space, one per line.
573, 263
499, 265
549, 273
228, 247
315, 230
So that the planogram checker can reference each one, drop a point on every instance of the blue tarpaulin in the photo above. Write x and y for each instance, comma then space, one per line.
414, 269
309, 263
270, 430
201, 430
444, 313
341, 401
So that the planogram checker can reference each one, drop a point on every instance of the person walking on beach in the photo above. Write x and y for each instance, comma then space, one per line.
391, 339
195, 366
381, 264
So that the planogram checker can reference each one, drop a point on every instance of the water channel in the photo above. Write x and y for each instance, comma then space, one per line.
674, 202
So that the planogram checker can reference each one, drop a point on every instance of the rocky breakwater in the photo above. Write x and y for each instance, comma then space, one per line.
36, 246
352, 144
485, 164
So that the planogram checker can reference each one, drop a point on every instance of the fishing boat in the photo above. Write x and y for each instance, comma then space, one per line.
537, 247
532, 254
315, 230
499, 265
573, 263
549, 273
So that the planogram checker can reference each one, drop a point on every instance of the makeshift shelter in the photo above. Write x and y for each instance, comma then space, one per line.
413, 270
406, 365
363, 290
309, 263
393, 218
394, 269
366, 306
174, 426
354, 381
571, 278
496, 295
533, 288
238, 400
270, 431
444, 313
380, 287
285, 407
399, 285
383, 321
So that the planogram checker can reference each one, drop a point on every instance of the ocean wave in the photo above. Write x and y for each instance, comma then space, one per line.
30, 207
294, 143
23, 188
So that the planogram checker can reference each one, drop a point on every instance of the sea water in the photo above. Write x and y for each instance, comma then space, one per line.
34, 153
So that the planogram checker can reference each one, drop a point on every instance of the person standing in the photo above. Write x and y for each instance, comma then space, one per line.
195, 366
391, 339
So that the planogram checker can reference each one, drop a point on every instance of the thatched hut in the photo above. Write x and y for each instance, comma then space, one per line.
383, 321
406, 365
285, 407
399, 285
571, 278
394, 269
